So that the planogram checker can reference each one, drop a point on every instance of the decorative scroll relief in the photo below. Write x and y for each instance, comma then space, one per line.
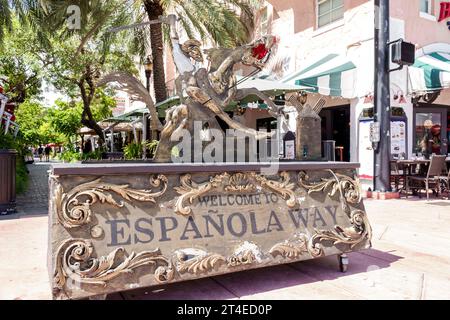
349, 191
291, 249
348, 187
196, 261
74, 262
74, 208
357, 233
239, 182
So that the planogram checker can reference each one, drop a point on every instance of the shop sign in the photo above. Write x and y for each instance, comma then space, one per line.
445, 12
375, 132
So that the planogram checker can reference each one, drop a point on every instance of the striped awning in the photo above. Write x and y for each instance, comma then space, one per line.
430, 72
333, 75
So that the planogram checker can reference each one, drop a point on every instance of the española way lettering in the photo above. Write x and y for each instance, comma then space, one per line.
213, 218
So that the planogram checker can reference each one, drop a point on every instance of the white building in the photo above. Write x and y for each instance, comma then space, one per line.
329, 45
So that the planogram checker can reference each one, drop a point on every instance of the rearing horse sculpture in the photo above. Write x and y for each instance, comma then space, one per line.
211, 91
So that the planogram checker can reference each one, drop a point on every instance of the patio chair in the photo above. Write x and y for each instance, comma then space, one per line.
397, 175
445, 181
432, 179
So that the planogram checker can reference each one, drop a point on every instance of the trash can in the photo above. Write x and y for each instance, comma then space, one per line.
329, 150
7, 181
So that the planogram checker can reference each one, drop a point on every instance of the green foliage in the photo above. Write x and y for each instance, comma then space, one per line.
102, 105
20, 68
30, 116
95, 155
65, 118
226, 23
80, 57
7, 142
70, 156
58, 124
37, 124
151, 146
133, 151
21, 175
20, 8
86, 53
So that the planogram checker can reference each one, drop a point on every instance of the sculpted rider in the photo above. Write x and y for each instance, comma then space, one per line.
211, 90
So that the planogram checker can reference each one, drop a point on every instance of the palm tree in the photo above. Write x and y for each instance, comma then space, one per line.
225, 23
79, 56
20, 8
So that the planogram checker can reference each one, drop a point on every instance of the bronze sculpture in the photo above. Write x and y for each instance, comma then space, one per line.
209, 90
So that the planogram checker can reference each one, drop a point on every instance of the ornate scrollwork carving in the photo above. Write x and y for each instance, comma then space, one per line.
291, 249
246, 253
240, 182
284, 187
203, 262
190, 191
359, 230
74, 261
74, 208
350, 187
196, 261
242, 258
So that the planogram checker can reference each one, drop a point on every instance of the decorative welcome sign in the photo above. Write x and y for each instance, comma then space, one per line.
126, 226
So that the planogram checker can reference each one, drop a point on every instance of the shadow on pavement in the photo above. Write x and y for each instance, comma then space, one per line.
264, 280
440, 203
21, 215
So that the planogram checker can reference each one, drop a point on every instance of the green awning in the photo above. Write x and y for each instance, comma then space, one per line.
430, 72
129, 116
334, 75
166, 104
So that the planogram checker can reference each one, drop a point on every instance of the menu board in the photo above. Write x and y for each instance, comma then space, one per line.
398, 138
290, 149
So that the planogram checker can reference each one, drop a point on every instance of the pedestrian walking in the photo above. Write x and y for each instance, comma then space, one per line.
48, 149
40, 152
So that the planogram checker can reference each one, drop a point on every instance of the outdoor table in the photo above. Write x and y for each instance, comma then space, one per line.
408, 163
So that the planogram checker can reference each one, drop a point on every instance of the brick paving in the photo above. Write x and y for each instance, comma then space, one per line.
35, 200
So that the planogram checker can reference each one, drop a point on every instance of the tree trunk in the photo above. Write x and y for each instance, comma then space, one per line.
154, 10
87, 119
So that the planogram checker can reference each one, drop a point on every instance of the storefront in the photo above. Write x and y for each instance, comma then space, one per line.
333, 78
431, 129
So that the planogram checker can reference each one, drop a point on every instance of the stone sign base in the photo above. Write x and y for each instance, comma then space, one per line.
121, 227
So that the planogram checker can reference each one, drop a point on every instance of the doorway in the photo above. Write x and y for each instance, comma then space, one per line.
336, 126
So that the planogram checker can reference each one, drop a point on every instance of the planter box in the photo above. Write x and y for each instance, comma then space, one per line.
124, 226
7, 181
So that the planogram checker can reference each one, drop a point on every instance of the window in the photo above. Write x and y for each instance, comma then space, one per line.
425, 6
329, 11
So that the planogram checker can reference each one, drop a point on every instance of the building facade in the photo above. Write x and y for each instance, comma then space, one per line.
328, 45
